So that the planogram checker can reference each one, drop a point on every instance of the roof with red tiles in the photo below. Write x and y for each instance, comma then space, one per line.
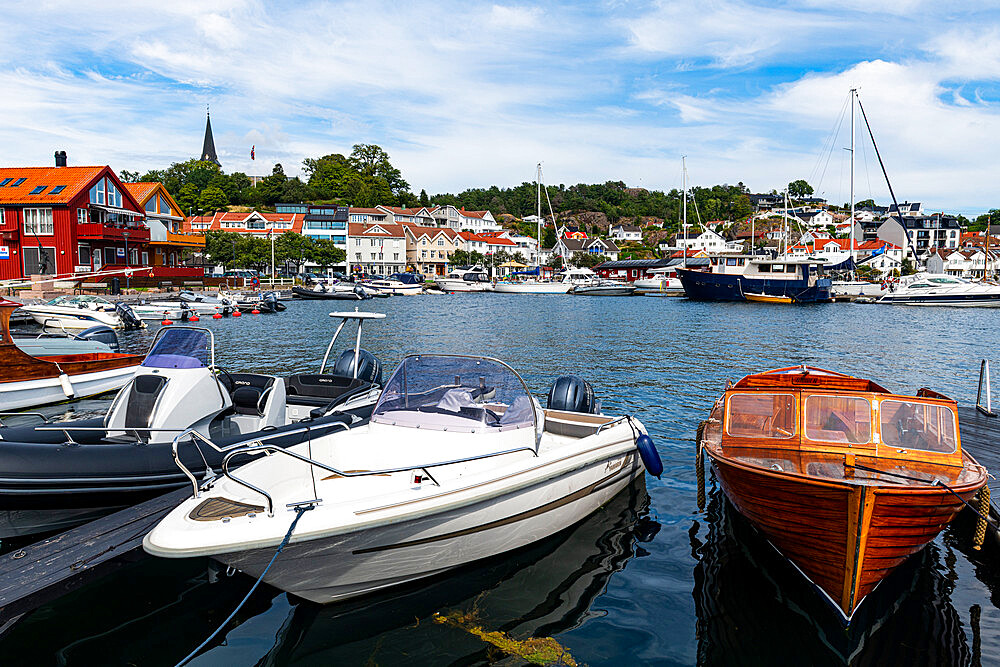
215, 221
483, 238
431, 232
73, 180
370, 211
141, 191
472, 214
377, 229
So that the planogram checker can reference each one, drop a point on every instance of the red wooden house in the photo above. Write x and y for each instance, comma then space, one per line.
64, 220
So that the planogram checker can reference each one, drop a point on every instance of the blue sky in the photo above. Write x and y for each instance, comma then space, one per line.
467, 94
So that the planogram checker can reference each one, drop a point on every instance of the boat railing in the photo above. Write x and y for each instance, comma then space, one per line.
274, 449
22, 414
984, 379
196, 436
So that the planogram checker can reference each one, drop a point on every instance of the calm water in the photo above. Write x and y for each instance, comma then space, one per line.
647, 580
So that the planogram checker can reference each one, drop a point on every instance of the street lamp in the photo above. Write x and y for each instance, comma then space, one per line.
127, 277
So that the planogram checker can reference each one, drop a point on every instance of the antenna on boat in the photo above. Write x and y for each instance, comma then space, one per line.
899, 211
854, 94
684, 219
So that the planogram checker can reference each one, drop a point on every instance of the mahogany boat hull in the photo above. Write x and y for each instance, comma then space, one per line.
844, 536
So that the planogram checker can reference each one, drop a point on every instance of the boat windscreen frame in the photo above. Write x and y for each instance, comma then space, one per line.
163, 331
507, 367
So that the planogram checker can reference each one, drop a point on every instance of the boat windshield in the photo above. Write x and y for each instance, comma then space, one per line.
451, 393
180, 348
846, 419
912, 425
79, 300
760, 415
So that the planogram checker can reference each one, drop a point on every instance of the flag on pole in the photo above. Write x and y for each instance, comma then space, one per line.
251, 151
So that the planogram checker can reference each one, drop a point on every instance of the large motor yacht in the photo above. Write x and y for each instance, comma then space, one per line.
733, 277
939, 289
467, 279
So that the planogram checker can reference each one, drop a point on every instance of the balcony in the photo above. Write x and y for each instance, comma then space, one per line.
183, 239
105, 232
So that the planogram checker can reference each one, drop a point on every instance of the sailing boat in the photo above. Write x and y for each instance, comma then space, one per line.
536, 285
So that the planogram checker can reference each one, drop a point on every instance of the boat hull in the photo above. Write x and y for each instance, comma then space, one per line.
351, 564
625, 290
959, 300
844, 537
532, 288
345, 295
43, 391
457, 285
703, 286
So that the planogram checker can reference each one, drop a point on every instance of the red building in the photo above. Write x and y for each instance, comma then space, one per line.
64, 220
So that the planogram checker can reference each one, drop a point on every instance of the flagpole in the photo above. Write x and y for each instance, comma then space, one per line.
271, 234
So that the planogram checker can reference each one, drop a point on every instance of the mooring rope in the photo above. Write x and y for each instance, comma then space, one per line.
935, 482
984, 509
699, 464
299, 511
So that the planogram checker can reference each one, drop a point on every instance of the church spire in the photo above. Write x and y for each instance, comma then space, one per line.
208, 149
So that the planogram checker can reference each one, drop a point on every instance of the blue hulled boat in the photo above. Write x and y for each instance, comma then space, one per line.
735, 277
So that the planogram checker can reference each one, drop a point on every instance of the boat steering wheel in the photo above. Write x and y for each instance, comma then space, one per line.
219, 370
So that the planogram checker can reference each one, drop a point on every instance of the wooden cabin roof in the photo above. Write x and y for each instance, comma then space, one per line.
809, 377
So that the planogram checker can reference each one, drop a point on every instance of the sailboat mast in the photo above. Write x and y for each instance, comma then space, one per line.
684, 204
784, 217
538, 215
854, 92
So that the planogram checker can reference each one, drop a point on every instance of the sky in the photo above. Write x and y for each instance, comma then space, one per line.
472, 94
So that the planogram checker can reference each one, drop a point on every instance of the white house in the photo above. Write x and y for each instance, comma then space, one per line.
378, 248
626, 233
485, 243
566, 247
884, 264
416, 216
815, 219
461, 220
700, 239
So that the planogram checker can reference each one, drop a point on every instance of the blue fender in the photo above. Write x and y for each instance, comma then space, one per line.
650, 457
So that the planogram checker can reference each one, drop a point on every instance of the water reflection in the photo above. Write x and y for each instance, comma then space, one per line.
159, 610
754, 607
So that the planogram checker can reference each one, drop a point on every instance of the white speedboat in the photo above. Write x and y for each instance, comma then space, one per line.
457, 463
844, 288
532, 286
663, 281
940, 289
83, 312
470, 279
199, 303
399, 284
160, 311
603, 287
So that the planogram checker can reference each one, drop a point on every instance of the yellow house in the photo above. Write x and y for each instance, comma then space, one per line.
428, 249
165, 220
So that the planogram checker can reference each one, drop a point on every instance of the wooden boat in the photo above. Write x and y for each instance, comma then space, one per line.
843, 477
27, 381
768, 298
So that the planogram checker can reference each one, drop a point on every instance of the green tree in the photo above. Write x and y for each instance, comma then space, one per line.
212, 199
424, 199
330, 176
548, 236
293, 248
271, 188
187, 198
128, 176
555, 261
325, 253
586, 259
799, 189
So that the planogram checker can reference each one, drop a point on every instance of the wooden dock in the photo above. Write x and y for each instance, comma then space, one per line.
41, 572
981, 438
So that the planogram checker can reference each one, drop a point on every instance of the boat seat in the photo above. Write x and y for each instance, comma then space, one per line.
142, 399
249, 392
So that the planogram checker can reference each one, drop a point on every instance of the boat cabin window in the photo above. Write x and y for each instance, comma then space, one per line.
838, 419
179, 348
450, 393
922, 426
944, 281
761, 416
777, 268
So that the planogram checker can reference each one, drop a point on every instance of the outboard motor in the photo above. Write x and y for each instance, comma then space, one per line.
369, 367
572, 394
360, 291
128, 317
102, 333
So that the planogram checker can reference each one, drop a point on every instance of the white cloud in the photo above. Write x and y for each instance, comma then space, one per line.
514, 18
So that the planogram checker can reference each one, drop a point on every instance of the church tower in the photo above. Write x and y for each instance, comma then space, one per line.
208, 149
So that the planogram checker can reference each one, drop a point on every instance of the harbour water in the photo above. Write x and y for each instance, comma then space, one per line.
647, 580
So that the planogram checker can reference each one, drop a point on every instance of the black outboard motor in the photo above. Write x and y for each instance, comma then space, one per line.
369, 367
270, 300
102, 333
360, 291
572, 394
128, 317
